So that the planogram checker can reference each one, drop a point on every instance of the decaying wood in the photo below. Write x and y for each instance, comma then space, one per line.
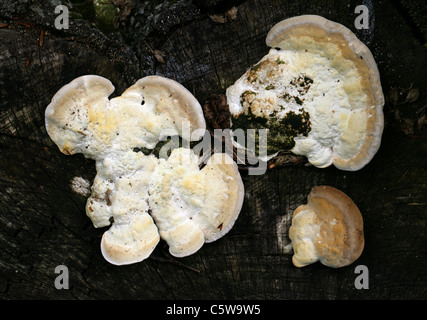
43, 222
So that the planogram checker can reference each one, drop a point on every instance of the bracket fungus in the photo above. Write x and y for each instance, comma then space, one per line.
142, 197
81, 118
317, 92
193, 206
329, 229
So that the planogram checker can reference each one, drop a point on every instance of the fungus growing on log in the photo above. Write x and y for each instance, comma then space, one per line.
329, 229
142, 197
317, 92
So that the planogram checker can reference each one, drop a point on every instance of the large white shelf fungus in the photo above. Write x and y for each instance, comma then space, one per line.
320, 68
130, 188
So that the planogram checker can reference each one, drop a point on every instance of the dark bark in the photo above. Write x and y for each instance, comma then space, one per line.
43, 223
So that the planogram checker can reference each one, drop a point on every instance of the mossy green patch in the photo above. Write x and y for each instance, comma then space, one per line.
281, 131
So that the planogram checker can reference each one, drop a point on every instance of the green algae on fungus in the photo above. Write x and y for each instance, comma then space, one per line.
264, 113
317, 97
280, 131
302, 83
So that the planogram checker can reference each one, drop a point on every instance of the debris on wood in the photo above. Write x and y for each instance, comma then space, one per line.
159, 55
218, 18
229, 15
232, 13
41, 38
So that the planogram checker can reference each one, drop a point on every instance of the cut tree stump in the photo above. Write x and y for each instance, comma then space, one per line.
206, 47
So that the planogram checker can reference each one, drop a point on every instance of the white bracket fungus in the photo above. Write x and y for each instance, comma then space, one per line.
329, 229
81, 118
317, 91
190, 206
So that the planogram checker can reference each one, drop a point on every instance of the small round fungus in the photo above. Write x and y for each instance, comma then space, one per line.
329, 229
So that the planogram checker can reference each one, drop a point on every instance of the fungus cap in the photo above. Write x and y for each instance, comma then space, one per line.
67, 116
318, 91
329, 229
192, 206
81, 118
131, 242
119, 199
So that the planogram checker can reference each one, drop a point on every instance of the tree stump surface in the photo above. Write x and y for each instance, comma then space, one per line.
43, 222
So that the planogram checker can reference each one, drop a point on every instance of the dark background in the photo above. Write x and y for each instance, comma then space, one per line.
43, 222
